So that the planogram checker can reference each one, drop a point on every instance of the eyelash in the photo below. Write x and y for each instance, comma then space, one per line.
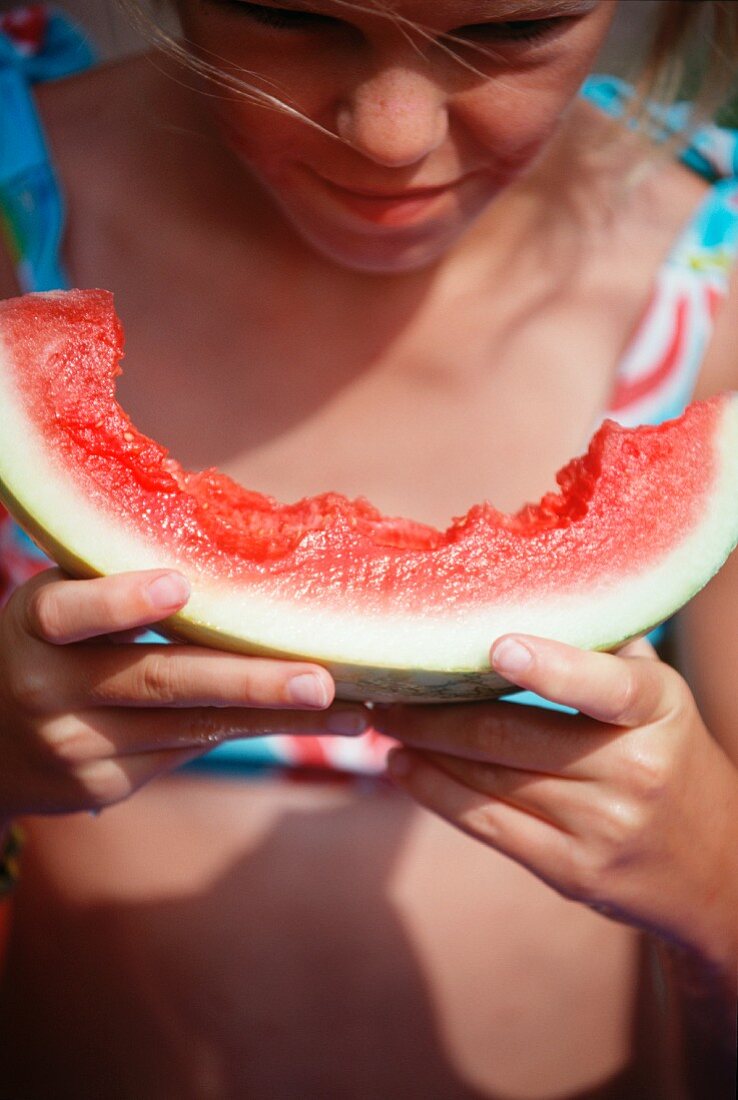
280, 18
514, 30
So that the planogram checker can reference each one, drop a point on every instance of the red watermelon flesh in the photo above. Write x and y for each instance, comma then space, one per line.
394, 607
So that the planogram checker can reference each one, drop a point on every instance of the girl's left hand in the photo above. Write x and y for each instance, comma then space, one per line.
628, 806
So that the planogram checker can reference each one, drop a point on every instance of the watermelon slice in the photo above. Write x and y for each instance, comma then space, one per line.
395, 609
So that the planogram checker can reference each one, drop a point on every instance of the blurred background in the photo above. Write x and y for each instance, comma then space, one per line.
104, 22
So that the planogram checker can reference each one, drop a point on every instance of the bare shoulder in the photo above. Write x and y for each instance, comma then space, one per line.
91, 119
674, 194
666, 201
82, 108
115, 137
83, 116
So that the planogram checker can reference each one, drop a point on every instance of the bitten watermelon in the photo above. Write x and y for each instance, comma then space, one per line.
395, 609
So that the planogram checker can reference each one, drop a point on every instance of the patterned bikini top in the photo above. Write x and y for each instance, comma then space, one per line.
654, 380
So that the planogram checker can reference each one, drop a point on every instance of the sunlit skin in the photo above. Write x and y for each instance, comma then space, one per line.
416, 290
430, 124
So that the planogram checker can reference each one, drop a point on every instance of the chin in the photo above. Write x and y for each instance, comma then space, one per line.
374, 250
378, 255
380, 261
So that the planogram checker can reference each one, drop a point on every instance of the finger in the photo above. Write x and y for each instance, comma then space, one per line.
523, 737
547, 797
103, 734
625, 691
100, 783
61, 611
187, 676
529, 840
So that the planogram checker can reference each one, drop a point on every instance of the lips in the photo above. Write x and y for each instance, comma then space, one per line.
393, 196
391, 208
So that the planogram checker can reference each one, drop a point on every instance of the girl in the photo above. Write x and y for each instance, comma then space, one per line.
334, 214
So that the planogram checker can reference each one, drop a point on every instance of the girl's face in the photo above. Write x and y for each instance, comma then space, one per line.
414, 133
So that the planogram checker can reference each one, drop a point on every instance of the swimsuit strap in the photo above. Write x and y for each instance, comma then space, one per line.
657, 373
36, 45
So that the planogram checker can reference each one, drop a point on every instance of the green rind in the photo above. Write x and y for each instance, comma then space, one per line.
57, 551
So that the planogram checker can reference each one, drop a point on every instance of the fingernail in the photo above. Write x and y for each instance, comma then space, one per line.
349, 723
308, 690
168, 591
511, 657
399, 763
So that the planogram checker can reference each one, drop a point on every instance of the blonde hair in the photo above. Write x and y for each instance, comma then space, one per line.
693, 55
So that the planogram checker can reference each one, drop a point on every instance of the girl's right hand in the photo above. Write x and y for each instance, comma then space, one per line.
85, 720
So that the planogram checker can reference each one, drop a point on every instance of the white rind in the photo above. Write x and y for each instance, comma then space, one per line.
420, 657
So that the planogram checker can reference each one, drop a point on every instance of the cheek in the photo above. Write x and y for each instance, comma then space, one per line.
263, 139
265, 65
250, 118
516, 114
511, 143
515, 119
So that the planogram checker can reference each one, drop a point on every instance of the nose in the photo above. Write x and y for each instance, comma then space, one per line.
395, 117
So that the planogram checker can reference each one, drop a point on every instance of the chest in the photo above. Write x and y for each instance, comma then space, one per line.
422, 429
425, 400
458, 403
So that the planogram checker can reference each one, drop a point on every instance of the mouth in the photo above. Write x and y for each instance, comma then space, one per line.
392, 208
393, 196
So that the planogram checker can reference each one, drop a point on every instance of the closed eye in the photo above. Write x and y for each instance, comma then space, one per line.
515, 30
506, 31
280, 18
